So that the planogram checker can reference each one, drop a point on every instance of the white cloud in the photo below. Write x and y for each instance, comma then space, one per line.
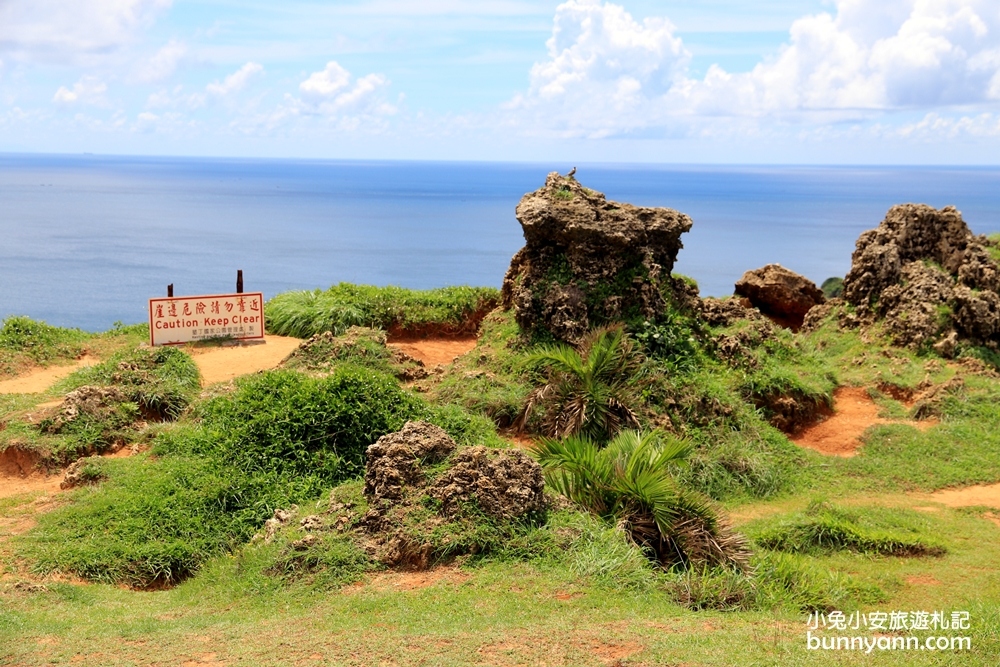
608, 73
935, 126
163, 63
331, 92
236, 81
88, 90
67, 32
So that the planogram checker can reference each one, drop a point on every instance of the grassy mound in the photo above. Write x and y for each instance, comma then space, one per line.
358, 345
823, 528
24, 342
161, 381
107, 405
447, 310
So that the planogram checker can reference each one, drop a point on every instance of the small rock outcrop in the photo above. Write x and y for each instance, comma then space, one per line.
783, 295
588, 261
928, 278
396, 459
420, 464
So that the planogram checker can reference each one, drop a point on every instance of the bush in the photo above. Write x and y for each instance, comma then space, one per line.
287, 423
630, 482
447, 309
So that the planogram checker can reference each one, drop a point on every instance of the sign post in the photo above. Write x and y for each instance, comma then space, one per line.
184, 319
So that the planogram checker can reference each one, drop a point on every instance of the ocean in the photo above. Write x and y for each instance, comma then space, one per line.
88, 239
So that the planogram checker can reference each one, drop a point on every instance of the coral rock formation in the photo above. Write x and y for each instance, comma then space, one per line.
587, 261
932, 282
779, 293
408, 468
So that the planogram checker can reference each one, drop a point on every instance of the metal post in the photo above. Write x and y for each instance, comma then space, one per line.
239, 281
170, 290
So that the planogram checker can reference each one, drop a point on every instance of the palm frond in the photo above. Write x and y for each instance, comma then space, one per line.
629, 481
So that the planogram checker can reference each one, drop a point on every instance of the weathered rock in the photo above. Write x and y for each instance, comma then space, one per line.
82, 471
783, 295
404, 473
394, 461
932, 282
505, 485
588, 261
723, 312
89, 400
280, 518
927, 404
817, 314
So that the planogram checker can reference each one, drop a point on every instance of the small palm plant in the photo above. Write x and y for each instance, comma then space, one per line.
629, 482
588, 390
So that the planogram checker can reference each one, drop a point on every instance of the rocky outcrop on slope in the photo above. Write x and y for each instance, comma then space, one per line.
588, 261
783, 295
420, 467
930, 280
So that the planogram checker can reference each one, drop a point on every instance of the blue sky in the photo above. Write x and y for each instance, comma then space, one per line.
828, 81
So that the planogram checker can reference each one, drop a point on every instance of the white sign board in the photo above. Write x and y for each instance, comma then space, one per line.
189, 318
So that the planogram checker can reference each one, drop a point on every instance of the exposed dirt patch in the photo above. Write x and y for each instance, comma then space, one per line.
18, 462
853, 413
467, 327
970, 496
206, 659
520, 440
435, 351
15, 486
922, 580
40, 379
411, 581
992, 517
220, 364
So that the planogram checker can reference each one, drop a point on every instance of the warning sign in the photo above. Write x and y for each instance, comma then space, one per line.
189, 318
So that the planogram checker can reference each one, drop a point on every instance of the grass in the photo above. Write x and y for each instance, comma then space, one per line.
25, 342
449, 310
824, 528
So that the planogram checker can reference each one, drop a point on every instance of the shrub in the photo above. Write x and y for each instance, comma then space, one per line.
588, 391
287, 423
670, 339
833, 287
630, 482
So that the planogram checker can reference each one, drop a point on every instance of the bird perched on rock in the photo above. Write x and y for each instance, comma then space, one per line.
572, 173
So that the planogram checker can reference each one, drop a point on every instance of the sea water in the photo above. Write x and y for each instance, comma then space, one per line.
86, 240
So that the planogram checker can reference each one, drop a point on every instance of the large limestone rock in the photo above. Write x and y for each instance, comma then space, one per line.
782, 294
928, 277
587, 261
